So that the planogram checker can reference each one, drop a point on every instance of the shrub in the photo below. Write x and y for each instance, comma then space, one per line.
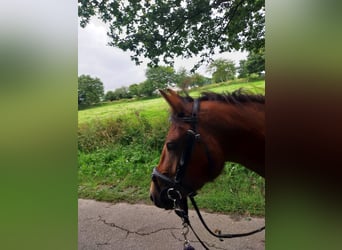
124, 130
253, 77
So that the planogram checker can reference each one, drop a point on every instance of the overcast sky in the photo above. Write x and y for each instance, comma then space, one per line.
114, 66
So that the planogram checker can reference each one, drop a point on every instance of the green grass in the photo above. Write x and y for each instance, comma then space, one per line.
153, 108
123, 174
236, 190
150, 108
116, 174
120, 143
254, 87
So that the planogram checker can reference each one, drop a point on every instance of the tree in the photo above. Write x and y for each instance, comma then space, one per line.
110, 96
134, 89
147, 88
222, 70
168, 29
198, 79
121, 93
160, 77
242, 70
256, 62
183, 80
90, 90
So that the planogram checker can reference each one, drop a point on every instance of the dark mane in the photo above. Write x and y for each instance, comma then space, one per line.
236, 97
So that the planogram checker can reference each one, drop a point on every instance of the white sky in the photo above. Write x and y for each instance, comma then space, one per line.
114, 66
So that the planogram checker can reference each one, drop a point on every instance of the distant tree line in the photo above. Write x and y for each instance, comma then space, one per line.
91, 91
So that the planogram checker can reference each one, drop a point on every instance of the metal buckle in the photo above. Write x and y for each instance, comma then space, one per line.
172, 196
194, 134
171, 192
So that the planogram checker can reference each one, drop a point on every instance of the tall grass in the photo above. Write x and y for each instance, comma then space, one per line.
131, 128
119, 173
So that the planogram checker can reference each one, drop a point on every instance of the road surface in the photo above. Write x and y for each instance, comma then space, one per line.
122, 226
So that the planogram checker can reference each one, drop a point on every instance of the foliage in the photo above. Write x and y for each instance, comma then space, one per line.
157, 78
131, 128
167, 29
199, 80
147, 88
237, 190
110, 96
161, 76
222, 70
183, 80
116, 173
90, 90
256, 62
121, 93
242, 70
134, 89
253, 77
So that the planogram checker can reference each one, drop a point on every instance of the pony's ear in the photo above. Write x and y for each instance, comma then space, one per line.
175, 101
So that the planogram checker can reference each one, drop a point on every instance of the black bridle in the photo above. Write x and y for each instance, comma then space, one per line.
175, 186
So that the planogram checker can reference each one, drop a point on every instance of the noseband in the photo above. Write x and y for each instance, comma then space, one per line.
175, 186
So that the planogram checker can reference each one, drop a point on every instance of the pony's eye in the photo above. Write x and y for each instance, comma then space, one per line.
171, 145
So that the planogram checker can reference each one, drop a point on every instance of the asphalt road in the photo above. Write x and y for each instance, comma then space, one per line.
123, 226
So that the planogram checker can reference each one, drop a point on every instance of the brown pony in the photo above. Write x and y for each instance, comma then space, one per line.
204, 134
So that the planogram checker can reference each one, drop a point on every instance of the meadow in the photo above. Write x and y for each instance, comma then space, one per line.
119, 143
152, 108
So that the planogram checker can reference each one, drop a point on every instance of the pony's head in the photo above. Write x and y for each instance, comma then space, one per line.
205, 133
188, 159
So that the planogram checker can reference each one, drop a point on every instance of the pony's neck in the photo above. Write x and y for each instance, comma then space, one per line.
239, 131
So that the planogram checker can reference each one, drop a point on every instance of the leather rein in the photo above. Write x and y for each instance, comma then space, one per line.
175, 186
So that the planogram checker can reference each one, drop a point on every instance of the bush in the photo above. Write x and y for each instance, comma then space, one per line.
253, 77
124, 130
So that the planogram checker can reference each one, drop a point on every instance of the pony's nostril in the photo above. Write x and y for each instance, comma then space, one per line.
151, 197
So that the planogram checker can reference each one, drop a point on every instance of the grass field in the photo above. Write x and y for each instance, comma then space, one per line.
119, 144
157, 106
